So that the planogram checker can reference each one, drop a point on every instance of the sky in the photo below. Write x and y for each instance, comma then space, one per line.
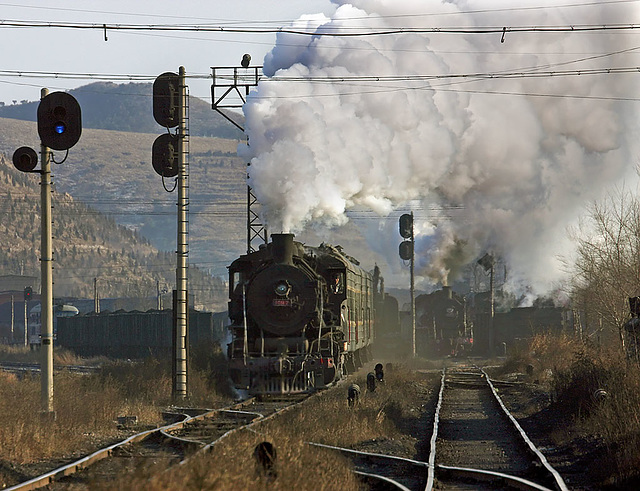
52, 50
496, 122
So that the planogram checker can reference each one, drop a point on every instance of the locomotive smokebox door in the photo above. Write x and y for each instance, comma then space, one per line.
282, 299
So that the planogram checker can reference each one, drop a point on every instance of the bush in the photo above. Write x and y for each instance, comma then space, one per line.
598, 391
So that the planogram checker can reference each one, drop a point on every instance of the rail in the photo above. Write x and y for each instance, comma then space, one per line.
482, 474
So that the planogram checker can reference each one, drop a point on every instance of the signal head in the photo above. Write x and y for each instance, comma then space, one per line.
406, 250
406, 226
59, 121
25, 159
166, 100
164, 155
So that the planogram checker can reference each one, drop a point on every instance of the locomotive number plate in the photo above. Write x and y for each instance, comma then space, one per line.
281, 302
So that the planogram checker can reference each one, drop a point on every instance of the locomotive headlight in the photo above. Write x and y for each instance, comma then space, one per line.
282, 288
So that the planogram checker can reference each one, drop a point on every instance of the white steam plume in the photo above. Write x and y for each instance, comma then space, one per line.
519, 155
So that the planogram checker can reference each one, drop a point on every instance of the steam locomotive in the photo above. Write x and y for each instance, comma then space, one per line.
301, 317
442, 325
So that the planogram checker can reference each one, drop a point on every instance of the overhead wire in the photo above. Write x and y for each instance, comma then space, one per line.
520, 73
378, 79
243, 26
281, 21
340, 30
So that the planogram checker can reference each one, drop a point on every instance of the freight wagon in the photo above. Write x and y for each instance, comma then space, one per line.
134, 334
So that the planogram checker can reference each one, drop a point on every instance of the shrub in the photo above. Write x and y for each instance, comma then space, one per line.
612, 417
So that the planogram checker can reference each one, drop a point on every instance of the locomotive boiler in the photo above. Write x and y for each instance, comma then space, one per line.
301, 317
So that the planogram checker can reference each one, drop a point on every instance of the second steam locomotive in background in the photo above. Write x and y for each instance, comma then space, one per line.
301, 316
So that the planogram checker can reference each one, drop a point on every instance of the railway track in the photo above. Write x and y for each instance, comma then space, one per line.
172, 444
21, 368
476, 439
475, 444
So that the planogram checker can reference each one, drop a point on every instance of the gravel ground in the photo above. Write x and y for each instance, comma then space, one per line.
473, 433
571, 454
578, 457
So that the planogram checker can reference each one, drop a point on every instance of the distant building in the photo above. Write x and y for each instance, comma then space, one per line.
35, 320
12, 305
15, 283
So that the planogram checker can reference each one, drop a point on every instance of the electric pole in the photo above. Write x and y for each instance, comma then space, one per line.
182, 309
488, 263
59, 127
96, 298
46, 280
169, 159
27, 295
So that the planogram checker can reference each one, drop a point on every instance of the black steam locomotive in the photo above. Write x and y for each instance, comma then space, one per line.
442, 325
301, 316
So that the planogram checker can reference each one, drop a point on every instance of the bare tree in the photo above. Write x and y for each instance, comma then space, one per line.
607, 265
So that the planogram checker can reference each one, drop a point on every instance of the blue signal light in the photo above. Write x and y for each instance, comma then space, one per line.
59, 128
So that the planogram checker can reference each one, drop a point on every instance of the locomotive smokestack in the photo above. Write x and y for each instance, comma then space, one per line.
447, 292
282, 248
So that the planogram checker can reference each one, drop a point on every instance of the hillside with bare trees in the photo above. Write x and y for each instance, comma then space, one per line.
87, 245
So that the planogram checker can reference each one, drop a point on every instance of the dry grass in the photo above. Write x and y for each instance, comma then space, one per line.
80, 412
15, 353
614, 419
86, 410
576, 371
61, 356
382, 416
542, 357
231, 467
87, 407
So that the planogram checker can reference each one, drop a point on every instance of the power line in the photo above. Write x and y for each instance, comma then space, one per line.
478, 75
524, 73
519, 72
283, 21
131, 14
331, 31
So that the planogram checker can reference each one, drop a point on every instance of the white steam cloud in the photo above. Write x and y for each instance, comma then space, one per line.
508, 162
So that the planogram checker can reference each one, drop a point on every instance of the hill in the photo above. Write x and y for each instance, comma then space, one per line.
111, 172
86, 245
129, 107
